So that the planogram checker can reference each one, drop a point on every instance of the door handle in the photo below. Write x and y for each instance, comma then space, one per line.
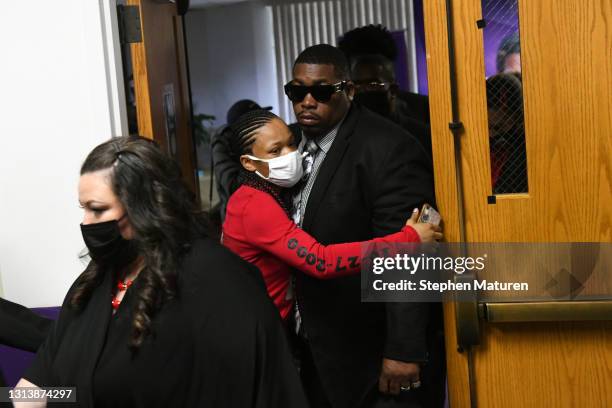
557, 311
466, 313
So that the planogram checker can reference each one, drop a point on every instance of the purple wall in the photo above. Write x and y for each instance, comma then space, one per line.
13, 362
502, 20
401, 62
421, 54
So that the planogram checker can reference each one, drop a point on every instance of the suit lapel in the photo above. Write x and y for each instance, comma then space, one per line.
328, 167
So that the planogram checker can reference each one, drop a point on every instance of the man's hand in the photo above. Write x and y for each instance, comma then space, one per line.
396, 374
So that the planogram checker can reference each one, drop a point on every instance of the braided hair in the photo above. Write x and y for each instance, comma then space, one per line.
244, 131
242, 136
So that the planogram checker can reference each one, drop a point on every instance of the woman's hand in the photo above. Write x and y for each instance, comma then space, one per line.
23, 383
427, 232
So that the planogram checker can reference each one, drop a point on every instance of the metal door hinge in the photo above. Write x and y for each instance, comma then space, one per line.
130, 30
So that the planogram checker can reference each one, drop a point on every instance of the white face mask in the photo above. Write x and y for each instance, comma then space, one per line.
284, 171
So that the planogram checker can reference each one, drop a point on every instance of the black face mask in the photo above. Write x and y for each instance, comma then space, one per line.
377, 101
106, 245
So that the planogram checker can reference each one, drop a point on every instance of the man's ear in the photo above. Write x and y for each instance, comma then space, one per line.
247, 163
350, 90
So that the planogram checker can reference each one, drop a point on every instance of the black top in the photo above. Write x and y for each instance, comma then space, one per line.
22, 328
219, 344
420, 130
414, 106
226, 168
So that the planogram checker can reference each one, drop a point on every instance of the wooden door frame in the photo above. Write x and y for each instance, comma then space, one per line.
446, 175
148, 126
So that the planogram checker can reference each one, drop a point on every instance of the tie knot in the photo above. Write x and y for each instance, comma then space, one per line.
311, 147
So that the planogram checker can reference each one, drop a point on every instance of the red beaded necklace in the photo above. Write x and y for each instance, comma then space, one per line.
121, 286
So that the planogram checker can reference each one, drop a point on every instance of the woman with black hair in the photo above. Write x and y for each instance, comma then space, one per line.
162, 316
258, 224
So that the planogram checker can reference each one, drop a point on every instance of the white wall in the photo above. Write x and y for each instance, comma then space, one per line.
59, 97
231, 57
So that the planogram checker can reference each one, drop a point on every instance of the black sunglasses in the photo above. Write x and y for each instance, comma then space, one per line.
322, 93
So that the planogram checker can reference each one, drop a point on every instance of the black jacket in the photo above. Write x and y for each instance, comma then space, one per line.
219, 343
414, 106
374, 174
21, 328
226, 168
412, 114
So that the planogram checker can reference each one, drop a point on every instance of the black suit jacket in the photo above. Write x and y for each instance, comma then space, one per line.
374, 174
21, 328
412, 114
414, 106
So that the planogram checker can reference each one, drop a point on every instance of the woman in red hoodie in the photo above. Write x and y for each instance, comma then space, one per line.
258, 225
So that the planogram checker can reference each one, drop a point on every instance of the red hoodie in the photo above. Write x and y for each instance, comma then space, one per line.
258, 230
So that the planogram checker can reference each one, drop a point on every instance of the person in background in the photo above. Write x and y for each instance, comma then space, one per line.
162, 316
377, 40
508, 58
366, 173
21, 328
377, 90
258, 226
507, 133
225, 168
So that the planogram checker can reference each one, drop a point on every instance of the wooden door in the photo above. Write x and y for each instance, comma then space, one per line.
161, 83
566, 53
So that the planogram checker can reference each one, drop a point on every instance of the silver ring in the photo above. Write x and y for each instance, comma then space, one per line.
416, 384
402, 388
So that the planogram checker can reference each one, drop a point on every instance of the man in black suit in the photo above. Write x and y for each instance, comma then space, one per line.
372, 52
21, 328
376, 89
365, 177
376, 40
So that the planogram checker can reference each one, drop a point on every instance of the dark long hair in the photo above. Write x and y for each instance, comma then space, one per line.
164, 216
243, 135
